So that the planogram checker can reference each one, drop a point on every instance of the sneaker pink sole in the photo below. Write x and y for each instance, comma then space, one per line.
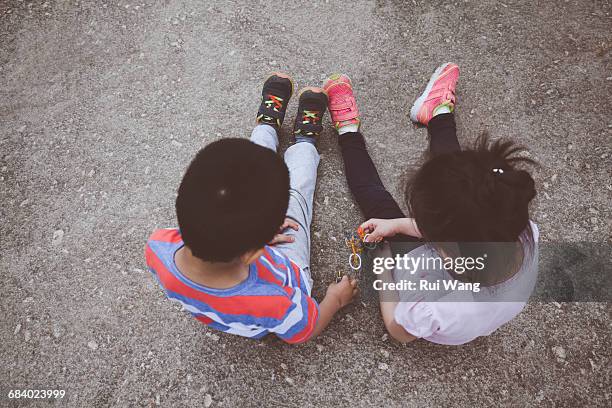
440, 89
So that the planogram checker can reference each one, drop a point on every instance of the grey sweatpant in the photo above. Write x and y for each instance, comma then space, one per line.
302, 159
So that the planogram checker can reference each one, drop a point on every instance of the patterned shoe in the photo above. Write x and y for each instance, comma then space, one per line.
342, 104
311, 108
275, 95
440, 91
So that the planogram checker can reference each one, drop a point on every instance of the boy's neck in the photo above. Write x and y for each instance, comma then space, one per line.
217, 275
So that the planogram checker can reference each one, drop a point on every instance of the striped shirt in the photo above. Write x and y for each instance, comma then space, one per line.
275, 297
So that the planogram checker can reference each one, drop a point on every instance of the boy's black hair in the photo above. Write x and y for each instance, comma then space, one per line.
232, 199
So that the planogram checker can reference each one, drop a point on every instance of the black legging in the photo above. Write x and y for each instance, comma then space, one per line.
363, 180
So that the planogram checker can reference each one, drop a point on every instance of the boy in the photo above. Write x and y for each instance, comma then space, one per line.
237, 196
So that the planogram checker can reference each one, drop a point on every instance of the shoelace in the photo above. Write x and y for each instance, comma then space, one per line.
310, 117
274, 100
278, 104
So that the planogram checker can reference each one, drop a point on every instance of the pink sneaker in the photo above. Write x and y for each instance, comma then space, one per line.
440, 91
342, 105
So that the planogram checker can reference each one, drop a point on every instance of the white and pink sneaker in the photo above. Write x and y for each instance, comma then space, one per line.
439, 94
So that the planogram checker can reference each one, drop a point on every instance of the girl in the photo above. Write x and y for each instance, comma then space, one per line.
463, 203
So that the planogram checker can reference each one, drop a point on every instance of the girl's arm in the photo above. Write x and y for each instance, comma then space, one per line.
388, 302
379, 229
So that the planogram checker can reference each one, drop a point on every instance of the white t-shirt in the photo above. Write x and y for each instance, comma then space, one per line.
461, 316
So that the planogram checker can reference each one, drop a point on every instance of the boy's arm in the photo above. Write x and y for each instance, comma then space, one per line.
314, 319
338, 295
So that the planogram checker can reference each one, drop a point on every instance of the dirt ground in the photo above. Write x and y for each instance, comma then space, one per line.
103, 104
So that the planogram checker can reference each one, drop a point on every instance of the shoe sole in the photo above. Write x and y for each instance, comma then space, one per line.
414, 111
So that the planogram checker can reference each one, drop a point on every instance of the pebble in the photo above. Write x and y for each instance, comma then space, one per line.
289, 380
27, 335
92, 345
383, 366
17, 328
384, 337
57, 331
176, 143
319, 348
283, 366
385, 353
207, 400
58, 237
24, 202
559, 352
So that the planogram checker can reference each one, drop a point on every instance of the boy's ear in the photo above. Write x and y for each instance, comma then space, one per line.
250, 256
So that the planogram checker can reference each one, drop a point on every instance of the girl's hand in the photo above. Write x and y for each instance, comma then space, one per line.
281, 238
378, 229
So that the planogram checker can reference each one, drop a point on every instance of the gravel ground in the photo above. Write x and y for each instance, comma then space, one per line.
103, 104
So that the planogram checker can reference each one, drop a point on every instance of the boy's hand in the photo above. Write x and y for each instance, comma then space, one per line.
281, 238
378, 229
343, 292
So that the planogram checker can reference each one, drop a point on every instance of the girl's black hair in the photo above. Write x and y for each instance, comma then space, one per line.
474, 196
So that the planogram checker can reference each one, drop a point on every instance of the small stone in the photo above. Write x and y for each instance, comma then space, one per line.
58, 237
553, 178
289, 381
92, 345
385, 353
24, 203
559, 352
17, 328
283, 366
319, 348
22, 129
384, 337
383, 366
176, 143
208, 400
57, 331
27, 335
147, 170
91, 173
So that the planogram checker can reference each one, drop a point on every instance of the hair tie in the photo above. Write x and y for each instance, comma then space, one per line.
500, 171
